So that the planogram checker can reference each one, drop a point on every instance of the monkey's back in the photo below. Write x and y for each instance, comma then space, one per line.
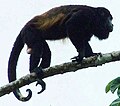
55, 16
51, 24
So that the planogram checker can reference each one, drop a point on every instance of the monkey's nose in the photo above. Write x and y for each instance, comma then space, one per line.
111, 28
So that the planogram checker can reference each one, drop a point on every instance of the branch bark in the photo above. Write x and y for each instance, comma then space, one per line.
60, 69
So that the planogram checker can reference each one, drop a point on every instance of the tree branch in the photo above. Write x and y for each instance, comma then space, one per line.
60, 69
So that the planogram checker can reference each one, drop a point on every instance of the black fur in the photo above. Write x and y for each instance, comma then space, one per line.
77, 22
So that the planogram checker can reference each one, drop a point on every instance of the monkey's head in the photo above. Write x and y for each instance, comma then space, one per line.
102, 23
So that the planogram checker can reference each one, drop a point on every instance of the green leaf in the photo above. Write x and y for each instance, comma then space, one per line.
115, 102
118, 92
115, 84
107, 88
112, 86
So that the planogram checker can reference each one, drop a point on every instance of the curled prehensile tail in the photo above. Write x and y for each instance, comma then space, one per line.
18, 45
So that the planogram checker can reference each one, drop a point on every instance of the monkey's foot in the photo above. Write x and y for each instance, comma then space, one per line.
40, 75
39, 72
42, 83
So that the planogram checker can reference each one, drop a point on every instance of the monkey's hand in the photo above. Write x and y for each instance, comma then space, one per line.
40, 75
80, 58
97, 54
77, 59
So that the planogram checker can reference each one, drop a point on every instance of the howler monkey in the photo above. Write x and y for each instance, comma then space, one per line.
77, 22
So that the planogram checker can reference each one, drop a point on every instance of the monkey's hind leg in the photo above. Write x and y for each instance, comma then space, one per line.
46, 56
36, 55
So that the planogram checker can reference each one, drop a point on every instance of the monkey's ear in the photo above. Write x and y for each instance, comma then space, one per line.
29, 50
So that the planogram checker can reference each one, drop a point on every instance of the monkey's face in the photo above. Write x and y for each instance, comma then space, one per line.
103, 24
